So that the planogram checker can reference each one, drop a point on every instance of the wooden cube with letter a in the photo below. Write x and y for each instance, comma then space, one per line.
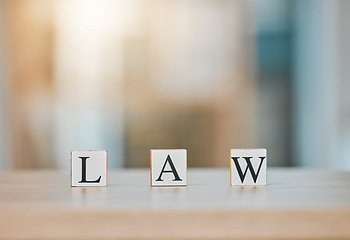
248, 167
89, 168
169, 167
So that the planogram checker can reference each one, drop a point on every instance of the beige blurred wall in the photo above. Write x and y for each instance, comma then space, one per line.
127, 76
3, 132
189, 86
29, 49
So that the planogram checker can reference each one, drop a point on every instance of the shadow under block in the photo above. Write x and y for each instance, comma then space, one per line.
89, 168
169, 167
248, 167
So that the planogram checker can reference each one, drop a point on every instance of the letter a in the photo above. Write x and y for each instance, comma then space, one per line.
168, 167
173, 170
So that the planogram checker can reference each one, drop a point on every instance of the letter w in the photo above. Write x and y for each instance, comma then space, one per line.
250, 166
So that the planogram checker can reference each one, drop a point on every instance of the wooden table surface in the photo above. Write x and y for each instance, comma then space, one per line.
296, 204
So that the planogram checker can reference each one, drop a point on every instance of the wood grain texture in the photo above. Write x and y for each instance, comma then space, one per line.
296, 204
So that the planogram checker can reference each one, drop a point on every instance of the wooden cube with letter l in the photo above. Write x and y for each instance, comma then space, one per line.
248, 167
169, 167
89, 168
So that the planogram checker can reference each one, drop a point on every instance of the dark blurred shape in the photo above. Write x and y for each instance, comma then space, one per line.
274, 55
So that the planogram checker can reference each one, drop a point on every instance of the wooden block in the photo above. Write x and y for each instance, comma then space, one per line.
169, 167
89, 168
248, 167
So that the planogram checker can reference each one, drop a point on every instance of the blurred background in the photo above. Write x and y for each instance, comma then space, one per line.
205, 75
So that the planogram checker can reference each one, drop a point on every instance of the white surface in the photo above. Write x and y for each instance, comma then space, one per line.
96, 166
245, 156
160, 165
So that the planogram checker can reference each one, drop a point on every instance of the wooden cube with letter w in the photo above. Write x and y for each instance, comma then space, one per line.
248, 167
